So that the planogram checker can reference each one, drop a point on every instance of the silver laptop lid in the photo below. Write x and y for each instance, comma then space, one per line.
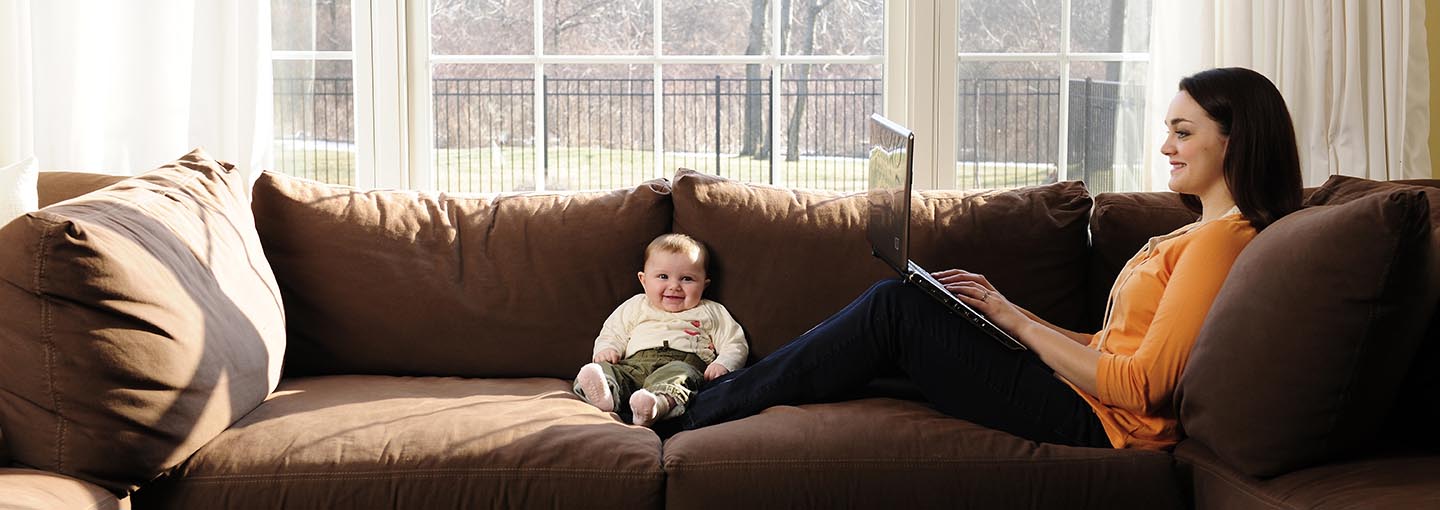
889, 191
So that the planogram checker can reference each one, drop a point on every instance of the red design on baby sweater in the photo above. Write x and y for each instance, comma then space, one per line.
695, 323
691, 332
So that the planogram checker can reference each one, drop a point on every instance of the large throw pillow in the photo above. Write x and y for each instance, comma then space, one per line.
61, 186
785, 259
136, 323
18, 189
1305, 347
1412, 422
413, 283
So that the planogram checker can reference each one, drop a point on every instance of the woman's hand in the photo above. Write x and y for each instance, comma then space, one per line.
976, 291
715, 370
607, 355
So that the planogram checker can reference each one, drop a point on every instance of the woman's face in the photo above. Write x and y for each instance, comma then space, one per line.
1196, 149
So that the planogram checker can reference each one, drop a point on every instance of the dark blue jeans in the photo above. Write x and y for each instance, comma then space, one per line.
958, 368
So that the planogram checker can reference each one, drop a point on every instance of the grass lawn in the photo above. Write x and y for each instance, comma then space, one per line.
511, 169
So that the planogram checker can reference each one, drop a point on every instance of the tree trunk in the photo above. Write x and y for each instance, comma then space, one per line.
775, 95
802, 84
754, 120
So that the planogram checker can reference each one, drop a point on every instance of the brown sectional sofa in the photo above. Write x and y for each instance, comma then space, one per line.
428, 339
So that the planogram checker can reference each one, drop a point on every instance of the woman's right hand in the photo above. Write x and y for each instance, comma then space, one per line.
607, 355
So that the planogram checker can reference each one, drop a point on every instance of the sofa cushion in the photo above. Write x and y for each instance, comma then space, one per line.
784, 260
421, 443
138, 322
1412, 421
411, 283
884, 453
1379, 480
32, 489
1303, 351
59, 186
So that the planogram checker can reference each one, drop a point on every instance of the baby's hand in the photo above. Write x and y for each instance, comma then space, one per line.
607, 355
715, 370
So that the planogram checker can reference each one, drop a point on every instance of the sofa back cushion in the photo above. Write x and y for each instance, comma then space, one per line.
60, 186
136, 324
412, 283
1304, 350
1412, 420
784, 259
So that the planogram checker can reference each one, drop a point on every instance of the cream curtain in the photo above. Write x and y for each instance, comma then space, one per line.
16, 120
122, 87
1354, 73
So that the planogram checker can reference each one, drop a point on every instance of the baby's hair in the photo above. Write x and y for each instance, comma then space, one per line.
679, 244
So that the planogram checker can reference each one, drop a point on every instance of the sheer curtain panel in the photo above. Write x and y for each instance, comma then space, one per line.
122, 87
1355, 74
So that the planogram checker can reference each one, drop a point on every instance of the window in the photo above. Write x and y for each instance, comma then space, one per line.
1051, 89
502, 95
314, 86
569, 94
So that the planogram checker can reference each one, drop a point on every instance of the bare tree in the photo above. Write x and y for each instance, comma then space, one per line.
754, 113
809, 13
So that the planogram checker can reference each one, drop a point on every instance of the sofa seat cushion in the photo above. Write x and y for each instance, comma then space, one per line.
1399, 480
423, 443
886, 453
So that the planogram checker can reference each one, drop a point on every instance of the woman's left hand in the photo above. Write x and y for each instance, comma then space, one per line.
976, 291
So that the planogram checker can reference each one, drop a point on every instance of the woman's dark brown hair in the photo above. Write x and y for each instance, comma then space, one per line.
1262, 161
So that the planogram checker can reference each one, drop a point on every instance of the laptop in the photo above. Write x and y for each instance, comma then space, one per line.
891, 175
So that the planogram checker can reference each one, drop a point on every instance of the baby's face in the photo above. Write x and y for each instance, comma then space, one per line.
673, 281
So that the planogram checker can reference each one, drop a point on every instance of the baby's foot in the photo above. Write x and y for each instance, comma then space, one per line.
593, 388
648, 408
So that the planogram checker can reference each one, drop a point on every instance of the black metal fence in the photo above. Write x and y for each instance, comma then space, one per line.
600, 132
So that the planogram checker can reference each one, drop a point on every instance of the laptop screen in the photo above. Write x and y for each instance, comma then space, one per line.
889, 191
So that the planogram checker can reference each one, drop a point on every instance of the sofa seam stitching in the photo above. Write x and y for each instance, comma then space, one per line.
47, 339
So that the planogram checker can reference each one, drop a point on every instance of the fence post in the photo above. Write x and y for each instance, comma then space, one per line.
544, 130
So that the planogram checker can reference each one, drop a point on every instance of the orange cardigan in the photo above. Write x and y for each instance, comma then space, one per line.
1157, 305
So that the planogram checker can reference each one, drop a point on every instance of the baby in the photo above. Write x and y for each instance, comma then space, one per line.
668, 337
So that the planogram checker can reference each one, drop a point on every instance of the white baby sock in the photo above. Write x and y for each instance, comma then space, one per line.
593, 388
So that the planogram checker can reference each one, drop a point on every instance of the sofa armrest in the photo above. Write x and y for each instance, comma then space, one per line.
32, 489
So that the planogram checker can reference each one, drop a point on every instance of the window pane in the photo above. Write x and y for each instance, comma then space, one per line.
827, 27
315, 120
1106, 140
823, 115
598, 27
484, 128
715, 27
310, 25
599, 126
1110, 26
1008, 127
482, 27
1003, 26
717, 120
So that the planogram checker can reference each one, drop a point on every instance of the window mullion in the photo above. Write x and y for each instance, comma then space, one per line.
363, 74
657, 94
419, 95
1062, 160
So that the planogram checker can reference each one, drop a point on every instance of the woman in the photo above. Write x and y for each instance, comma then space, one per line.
1230, 145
